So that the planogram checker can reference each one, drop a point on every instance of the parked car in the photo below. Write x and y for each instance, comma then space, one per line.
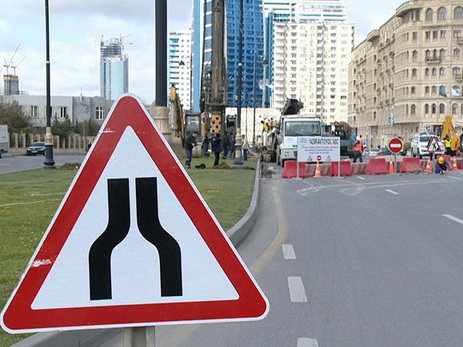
36, 148
373, 152
384, 151
419, 144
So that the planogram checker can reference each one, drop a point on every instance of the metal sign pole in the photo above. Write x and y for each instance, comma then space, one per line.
395, 164
339, 167
139, 337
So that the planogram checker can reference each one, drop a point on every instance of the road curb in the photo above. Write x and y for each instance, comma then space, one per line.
240, 230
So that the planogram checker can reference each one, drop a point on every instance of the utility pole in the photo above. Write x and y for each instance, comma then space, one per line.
49, 161
238, 163
159, 110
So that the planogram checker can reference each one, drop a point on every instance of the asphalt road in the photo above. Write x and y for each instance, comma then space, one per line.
362, 261
17, 163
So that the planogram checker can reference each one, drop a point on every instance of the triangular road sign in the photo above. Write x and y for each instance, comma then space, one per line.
434, 145
132, 244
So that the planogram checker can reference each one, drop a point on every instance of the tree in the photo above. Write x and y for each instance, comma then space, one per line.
12, 115
87, 128
61, 128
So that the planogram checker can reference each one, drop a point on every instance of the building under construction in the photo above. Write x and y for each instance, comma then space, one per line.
11, 81
10, 84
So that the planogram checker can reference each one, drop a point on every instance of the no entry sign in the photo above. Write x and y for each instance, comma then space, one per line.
395, 145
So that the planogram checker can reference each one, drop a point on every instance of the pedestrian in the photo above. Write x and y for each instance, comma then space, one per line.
358, 150
442, 166
205, 146
225, 145
190, 142
216, 148
245, 147
232, 145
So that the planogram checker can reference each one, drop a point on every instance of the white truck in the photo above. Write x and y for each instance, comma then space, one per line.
293, 126
4, 139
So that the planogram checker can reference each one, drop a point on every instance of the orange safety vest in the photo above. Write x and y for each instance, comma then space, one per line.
358, 146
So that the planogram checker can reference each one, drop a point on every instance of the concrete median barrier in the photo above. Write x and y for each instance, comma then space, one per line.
346, 169
411, 165
290, 169
377, 166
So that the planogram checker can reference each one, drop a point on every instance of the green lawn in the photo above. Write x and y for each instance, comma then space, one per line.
28, 201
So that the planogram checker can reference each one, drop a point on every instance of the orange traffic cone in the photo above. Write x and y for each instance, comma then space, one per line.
454, 164
391, 167
428, 165
317, 171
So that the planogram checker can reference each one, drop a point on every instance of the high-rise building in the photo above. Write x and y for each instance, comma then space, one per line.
114, 69
179, 65
10, 84
309, 45
252, 52
253, 49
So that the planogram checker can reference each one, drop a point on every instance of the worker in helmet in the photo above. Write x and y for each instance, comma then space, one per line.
442, 166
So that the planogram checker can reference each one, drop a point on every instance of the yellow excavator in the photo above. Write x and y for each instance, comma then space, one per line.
446, 129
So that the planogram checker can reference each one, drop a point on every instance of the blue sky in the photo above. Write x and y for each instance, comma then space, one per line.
76, 28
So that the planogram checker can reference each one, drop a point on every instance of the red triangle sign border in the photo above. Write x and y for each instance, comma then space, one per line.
19, 317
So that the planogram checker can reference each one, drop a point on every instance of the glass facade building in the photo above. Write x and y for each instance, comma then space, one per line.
253, 51
114, 69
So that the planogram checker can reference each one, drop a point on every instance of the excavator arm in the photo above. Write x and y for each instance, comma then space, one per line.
449, 131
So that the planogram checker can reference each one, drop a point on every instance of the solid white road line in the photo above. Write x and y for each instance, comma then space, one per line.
455, 219
296, 289
288, 252
391, 191
306, 342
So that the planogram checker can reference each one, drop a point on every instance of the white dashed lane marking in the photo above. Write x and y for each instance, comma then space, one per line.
306, 342
391, 191
296, 289
288, 252
455, 219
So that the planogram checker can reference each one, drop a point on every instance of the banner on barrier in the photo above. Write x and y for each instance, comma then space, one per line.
318, 148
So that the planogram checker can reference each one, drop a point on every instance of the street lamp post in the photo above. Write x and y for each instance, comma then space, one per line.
264, 84
238, 162
49, 162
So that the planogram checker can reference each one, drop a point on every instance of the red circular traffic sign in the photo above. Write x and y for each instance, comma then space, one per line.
395, 145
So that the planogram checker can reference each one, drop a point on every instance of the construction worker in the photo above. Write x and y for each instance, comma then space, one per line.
448, 146
442, 166
358, 150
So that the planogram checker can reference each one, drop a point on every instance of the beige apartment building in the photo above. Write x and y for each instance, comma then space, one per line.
407, 74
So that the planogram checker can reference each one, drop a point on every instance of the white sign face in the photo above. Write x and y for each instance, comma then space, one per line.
67, 283
318, 148
435, 146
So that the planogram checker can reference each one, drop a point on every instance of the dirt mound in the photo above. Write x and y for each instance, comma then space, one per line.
223, 166
69, 166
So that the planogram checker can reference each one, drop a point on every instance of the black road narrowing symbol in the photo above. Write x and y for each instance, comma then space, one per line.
150, 228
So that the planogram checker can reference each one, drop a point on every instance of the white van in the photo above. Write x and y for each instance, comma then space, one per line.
420, 143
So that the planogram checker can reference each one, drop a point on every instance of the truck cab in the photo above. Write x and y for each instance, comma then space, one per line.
292, 127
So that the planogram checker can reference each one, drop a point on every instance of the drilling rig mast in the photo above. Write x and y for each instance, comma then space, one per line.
213, 77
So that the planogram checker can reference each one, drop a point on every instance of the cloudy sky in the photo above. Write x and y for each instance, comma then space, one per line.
76, 28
